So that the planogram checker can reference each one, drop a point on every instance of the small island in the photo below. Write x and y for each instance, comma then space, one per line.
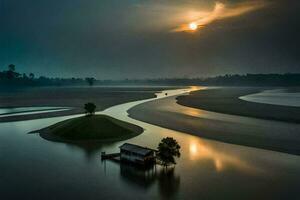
92, 128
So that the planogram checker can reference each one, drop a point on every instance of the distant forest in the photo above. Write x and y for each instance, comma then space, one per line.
11, 77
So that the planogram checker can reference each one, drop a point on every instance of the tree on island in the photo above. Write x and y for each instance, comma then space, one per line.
90, 108
90, 80
168, 149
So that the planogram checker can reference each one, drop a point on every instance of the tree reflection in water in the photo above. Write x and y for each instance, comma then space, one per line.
143, 178
168, 183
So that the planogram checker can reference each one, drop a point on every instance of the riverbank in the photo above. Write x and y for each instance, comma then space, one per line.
266, 134
70, 97
281, 97
226, 100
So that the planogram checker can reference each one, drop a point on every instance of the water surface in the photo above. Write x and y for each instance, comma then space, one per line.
34, 168
16, 111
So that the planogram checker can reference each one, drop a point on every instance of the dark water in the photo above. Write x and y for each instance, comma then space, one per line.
33, 168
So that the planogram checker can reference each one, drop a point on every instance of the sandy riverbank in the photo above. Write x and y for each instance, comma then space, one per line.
266, 134
226, 100
74, 97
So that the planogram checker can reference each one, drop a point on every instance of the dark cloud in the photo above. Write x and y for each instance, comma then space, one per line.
132, 39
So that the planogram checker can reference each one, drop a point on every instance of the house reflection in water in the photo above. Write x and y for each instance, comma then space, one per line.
138, 175
144, 178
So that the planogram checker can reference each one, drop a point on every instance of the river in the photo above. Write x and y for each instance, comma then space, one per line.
34, 168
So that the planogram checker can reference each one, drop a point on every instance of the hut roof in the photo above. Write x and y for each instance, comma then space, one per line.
136, 149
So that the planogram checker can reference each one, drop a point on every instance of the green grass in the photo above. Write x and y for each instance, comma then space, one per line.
97, 127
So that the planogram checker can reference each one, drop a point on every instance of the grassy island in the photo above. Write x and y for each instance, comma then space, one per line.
90, 128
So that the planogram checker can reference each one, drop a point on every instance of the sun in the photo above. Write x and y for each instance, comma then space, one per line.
193, 26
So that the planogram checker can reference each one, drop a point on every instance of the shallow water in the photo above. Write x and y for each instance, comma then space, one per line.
275, 97
7, 112
33, 168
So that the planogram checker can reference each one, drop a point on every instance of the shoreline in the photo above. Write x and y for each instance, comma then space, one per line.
46, 134
245, 131
71, 97
227, 100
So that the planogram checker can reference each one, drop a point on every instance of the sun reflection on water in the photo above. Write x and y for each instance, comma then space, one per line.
193, 112
193, 149
201, 150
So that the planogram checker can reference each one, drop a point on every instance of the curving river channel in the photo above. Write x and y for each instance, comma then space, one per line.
34, 168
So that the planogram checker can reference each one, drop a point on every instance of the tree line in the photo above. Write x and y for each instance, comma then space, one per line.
288, 80
11, 77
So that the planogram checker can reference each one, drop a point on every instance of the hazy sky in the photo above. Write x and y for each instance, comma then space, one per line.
149, 38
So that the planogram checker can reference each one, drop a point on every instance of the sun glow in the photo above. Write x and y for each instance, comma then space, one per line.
193, 149
201, 150
193, 26
220, 11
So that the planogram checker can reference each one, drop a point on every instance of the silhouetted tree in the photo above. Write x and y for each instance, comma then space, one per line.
11, 74
24, 76
11, 67
90, 80
168, 149
90, 108
31, 75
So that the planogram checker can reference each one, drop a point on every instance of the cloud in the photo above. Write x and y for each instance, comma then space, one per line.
219, 12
